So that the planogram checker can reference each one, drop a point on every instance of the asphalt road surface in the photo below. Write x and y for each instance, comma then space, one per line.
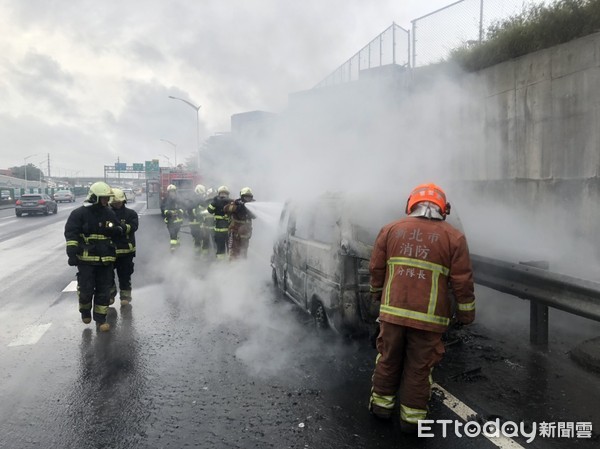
207, 357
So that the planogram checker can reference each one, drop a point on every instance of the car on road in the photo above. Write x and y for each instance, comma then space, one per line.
35, 203
64, 195
130, 195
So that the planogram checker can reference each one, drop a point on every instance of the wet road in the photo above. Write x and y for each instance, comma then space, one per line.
205, 357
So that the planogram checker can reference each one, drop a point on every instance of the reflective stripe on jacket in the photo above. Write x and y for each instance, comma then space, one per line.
130, 222
413, 262
85, 233
216, 208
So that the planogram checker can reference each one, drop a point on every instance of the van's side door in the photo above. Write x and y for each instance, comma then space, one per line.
295, 282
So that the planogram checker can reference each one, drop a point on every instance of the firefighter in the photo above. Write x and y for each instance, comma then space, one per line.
221, 225
240, 228
125, 247
89, 231
173, 215
414, 262
198, 225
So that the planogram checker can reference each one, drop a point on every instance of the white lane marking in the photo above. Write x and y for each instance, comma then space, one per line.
8, 218
466, 413
30, 335
72, 287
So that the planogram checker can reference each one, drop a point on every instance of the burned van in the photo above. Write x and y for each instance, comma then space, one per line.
321, 259
321, 256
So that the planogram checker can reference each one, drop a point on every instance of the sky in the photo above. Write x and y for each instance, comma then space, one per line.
88, 82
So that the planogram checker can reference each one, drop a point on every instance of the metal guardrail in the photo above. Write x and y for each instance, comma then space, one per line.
543, 288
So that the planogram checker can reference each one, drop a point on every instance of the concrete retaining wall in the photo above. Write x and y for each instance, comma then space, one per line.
541, 119
547, 106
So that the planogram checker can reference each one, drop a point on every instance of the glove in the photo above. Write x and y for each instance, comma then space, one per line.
72, 251
112, 230
456, 323
373, 336
73, 261
374, 306
117, 231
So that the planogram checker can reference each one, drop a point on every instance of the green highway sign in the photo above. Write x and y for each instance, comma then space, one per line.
152, 165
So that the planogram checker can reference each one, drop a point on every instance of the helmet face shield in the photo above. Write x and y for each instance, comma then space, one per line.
119, 197
97, 191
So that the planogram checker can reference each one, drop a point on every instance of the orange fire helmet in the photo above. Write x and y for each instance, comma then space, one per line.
428, 192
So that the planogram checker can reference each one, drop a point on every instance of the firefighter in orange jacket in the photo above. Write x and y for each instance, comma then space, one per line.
414, 262
240, 229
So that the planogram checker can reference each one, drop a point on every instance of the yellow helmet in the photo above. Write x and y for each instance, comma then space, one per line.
246, 191
200, 189
171, 188
223, 189
119, 196
98, 190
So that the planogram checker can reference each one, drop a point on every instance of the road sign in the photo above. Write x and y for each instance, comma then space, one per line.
152, 165
138, 167
120, 166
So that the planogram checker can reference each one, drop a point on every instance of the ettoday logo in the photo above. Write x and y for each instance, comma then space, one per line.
508, 429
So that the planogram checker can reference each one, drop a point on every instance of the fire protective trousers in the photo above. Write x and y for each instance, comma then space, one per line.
405, 361
173, 227
201, 237
238, 246
93, 284
124, 267
221, 243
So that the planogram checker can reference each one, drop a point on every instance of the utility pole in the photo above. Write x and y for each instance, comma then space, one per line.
49, 165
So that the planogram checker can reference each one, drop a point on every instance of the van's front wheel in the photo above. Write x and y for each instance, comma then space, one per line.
276, 292
320, 317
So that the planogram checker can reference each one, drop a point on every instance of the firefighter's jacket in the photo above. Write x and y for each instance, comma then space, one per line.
171, 210
217, 208
89, 232
198, 214
241, 219
414, 262
129, 222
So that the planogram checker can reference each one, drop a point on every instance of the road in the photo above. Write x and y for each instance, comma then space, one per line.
207, 357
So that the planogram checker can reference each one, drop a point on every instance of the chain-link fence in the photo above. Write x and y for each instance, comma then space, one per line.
432, 39
464, 22
390, 47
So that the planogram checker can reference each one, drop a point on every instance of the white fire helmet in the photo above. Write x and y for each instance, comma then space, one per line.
246, 191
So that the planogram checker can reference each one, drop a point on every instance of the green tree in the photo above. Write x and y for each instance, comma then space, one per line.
33, 173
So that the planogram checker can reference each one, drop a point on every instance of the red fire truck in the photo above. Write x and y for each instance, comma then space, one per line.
184, 180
